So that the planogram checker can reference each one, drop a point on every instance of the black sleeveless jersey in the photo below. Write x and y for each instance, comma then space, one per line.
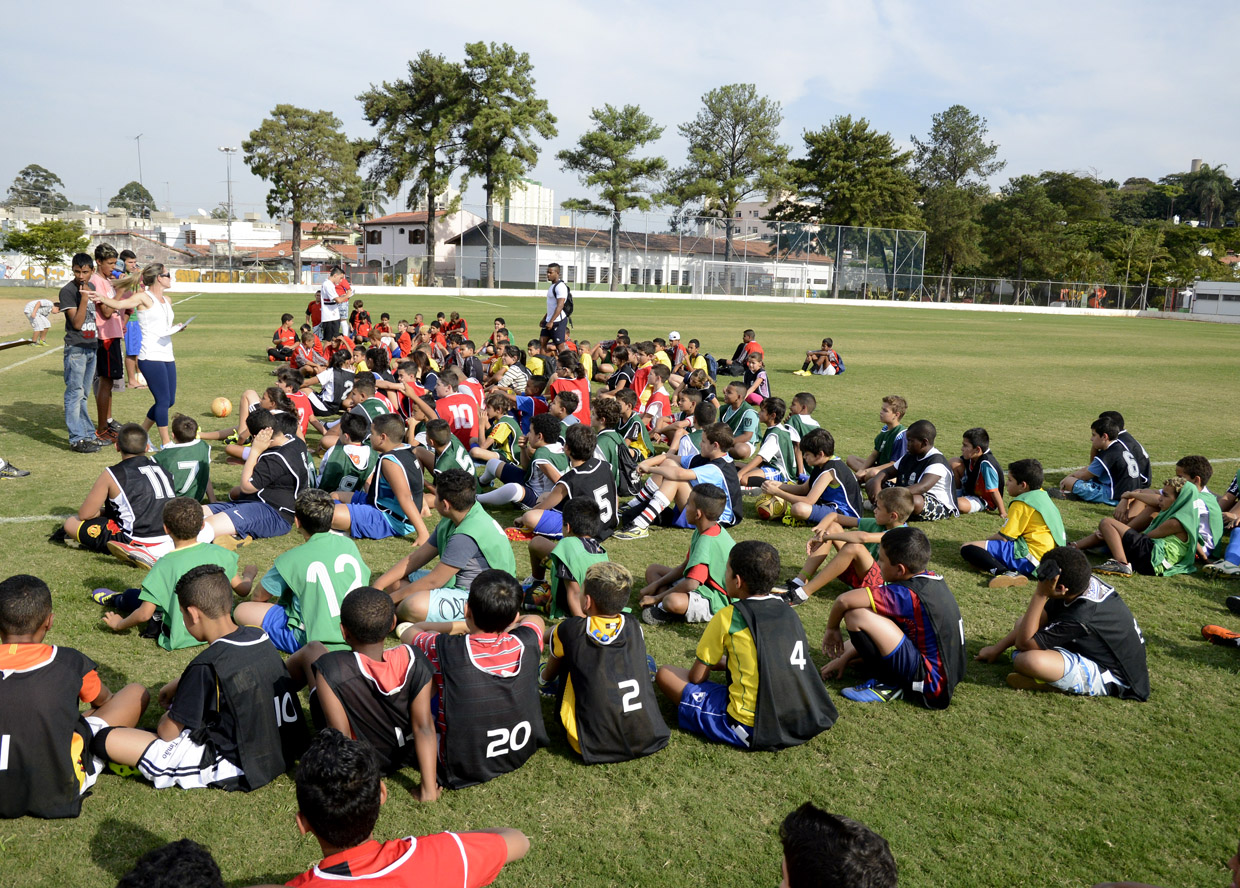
253, 682
144, 489
494, 722
592, 480
943, 646
910, 468
614, 702
43, 739
1099, 626
281, 475
1122, 470
1133, 446
380, 717
793, 703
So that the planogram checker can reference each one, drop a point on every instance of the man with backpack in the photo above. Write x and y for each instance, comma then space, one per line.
554, 327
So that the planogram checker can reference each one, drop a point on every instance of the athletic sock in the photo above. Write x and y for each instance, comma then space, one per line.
805, 366
492, 469
207, 534
657, 504
509, 493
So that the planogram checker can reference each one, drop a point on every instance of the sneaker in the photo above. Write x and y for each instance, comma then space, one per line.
518, 534
104, 597
794, 595
1114, 568
232, 542
1220, 636
85, 445
1025, 683
1056, 493
791, 520
8, 470
105, 435
122, 770
873, 691
1233, 603
113, 426
231, 439
654, 615
1006, 579
402, 628
131, 554
631, 533
801, 373
537, 598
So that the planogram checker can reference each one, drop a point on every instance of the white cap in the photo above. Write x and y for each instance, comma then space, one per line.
675, 334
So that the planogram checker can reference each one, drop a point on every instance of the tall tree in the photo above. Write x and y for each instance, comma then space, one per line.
605, 159
48, 243
951, 167
734, 154
419, 123
503, 114
1020, 228
133, 198
851, 175
1207, 190
38, 187
310, 163
1082, 198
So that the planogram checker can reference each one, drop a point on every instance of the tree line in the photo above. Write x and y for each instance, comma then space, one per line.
481, 120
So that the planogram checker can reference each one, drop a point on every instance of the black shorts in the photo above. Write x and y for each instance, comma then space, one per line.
1139, 548
331, 329
96, 533
110, 360
556, 332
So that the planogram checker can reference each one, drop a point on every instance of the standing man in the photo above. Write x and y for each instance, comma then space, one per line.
110, 363
554, 326
81, 342
332, 303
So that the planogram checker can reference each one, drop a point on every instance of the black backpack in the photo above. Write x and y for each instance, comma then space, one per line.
568, 302
628, 478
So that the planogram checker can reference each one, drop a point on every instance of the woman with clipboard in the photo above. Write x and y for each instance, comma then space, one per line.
153, 310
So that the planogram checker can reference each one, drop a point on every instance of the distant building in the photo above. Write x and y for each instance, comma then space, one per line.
401, 237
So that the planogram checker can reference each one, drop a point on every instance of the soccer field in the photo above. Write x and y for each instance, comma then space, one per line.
1003, 788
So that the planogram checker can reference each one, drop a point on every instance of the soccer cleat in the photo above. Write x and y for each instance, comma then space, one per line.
631, 533
872, 691
1220, 636
131, 554
231, 439
1223, 569
122, 770
104, 597
1233, 603
1006, 579
85, 445
232, 542
801, 373
795, 595
105, 435
1114, 568
8, 470
113, 426
537, 598
750, 491
655, 615
402, 628
518, 534
1056, 493
791, 520
1025, 683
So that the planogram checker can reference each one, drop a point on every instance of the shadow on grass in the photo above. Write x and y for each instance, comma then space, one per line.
38, 421
117, 844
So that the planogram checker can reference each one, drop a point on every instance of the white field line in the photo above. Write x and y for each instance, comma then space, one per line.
480, 301
187, 299
30, 519
41, 354
1213, 459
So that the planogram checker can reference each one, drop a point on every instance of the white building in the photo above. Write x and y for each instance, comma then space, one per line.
401, 237
530, 204
1211, 298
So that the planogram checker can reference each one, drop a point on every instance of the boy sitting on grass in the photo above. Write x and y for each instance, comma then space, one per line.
741, 419
776, 459
830, 487
978, 475
490, 717
49, 768
889, 443
907, 633
1033, 527
568, 559
1112, 471
926, 474
339, 793
826, 850
233, 720
187, 460
773, 699
347, 466
1168, 547
606, 704
855, 561
155, 603
692, 591
1077, 635
391, 502
380, 696
1137, 508
542, 461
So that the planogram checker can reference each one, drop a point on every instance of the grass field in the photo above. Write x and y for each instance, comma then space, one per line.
1004, 788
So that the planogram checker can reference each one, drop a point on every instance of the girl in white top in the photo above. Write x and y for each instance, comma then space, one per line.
153, 310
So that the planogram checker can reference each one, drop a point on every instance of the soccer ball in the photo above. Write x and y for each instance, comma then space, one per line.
221, 406
770, 507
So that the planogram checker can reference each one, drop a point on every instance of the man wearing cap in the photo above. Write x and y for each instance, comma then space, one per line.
554, 325
675, 351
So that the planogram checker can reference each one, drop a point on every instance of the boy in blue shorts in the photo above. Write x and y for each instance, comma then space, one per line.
467, 541
1077, 635
830, 486
907, 633
1033, 527
543, 460
776, 459
773, 699
391, 502
1112, 472
567, 559
587, 477
670, 484
979, 477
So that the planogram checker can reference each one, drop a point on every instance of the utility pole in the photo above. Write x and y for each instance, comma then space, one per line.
138, 139
228, 153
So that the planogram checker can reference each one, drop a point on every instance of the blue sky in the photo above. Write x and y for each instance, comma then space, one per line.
1114, 88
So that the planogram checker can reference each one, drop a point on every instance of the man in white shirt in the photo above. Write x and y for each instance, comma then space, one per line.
554, 325
332, 305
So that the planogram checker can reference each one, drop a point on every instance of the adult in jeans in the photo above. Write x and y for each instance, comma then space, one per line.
332, 303
153, 310
81, 346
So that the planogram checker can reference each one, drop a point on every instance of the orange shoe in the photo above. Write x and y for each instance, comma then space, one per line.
1220, 636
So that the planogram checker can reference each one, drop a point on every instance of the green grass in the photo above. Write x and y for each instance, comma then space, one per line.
1004, 788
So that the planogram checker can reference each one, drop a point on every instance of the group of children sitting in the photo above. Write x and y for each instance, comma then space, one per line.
471, 430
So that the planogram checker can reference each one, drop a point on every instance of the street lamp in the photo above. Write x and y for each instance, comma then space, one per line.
228, 153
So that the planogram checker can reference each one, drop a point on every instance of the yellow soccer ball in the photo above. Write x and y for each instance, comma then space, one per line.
221, 407
770, 508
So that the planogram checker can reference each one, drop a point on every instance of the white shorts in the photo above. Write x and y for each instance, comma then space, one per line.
976, 504
39, 323
92, 766
181, 762
698, 610
745, 450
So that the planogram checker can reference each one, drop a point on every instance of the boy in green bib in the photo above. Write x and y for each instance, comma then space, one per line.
466, 541
187, 460
694, 590
1032, 529
1167, 548
568, 559
156, 602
